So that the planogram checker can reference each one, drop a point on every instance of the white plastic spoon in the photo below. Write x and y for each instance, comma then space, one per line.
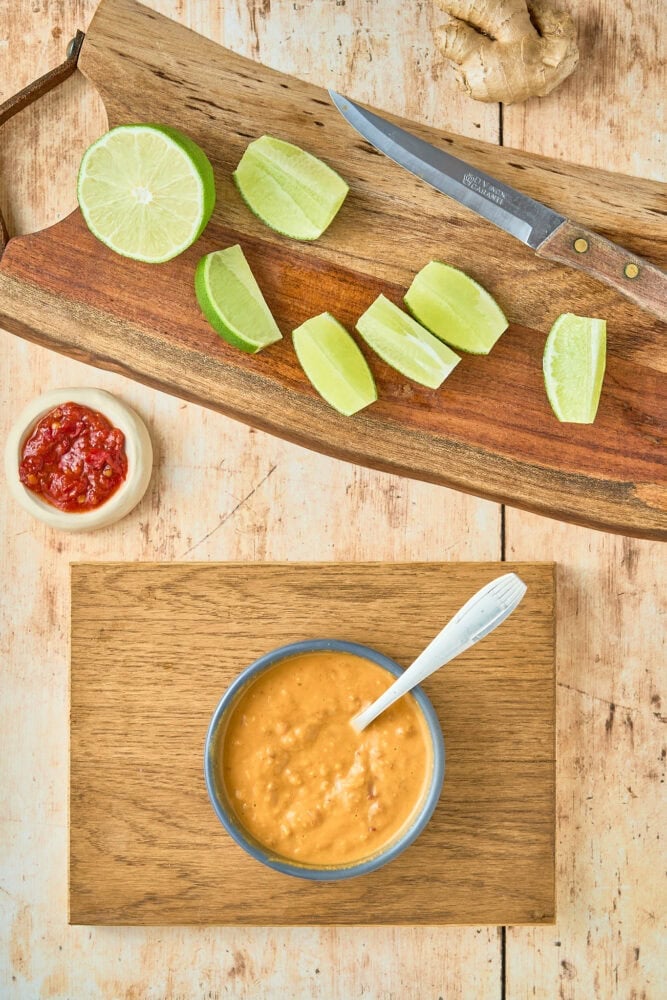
480, 615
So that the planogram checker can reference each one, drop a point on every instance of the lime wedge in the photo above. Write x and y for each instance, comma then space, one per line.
455, 308
574, 363
232, 302
290, 190
146, 191
405, 344
334, 364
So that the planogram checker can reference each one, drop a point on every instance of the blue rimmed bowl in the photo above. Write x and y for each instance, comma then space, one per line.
226, 814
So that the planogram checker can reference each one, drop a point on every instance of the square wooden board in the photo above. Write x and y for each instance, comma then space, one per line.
155, 645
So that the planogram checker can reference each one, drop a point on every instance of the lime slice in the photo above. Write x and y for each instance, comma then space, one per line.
290, 190
574, 362
455, 308
146, 191
334, 364
405, 344
232, 302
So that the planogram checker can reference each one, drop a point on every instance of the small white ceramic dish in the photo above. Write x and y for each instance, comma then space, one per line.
138, 449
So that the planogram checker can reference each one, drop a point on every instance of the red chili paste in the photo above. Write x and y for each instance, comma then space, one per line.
74, 458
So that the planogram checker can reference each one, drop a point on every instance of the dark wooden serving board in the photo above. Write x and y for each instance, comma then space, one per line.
489, 430
145, 844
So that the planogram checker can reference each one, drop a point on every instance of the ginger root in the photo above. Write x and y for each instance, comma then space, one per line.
508, 50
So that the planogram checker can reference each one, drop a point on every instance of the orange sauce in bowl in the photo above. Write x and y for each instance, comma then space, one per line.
301, 781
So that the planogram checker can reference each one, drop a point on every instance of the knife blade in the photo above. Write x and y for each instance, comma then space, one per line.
549, 234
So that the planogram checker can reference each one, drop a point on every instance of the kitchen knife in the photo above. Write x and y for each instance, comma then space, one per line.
549, 234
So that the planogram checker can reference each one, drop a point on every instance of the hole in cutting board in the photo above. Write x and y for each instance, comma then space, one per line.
40, 152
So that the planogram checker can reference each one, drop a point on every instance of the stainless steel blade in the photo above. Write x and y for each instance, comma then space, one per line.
516, 213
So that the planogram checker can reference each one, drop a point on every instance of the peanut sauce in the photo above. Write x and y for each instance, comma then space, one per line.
299, 778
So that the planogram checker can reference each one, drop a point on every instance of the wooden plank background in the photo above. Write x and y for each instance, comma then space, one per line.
222, 491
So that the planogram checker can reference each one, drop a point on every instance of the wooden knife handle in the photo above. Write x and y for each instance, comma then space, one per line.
632, 276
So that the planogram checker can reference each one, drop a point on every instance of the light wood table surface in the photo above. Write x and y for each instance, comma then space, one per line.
222, 491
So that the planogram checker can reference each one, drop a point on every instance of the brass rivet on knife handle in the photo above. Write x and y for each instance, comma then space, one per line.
632, 276
32, 93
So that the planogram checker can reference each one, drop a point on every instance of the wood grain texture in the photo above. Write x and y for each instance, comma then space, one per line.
610, 113
47, 139
146, 846
490, 429
223, 491
609, 938
36, 89
220, 491
608, 942
634, 277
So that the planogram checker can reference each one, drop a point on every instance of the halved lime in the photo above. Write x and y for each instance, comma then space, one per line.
405, 344
334, 364
290, 190
232, 302
574, 363
455, 308
146, 191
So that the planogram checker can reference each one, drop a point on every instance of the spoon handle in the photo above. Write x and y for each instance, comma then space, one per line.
480, 615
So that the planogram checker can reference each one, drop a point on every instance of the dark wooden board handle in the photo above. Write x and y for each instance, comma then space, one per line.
632, 276
32, 93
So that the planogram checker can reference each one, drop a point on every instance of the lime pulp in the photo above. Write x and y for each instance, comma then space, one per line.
334, 364
574, 365
232, 301
405, 345
146, 191
455, 308
290, 190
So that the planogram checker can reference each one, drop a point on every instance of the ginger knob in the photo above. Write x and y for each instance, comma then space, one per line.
508, 50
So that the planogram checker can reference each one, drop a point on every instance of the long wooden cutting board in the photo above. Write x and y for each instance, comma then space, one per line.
489, 429
146, 676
